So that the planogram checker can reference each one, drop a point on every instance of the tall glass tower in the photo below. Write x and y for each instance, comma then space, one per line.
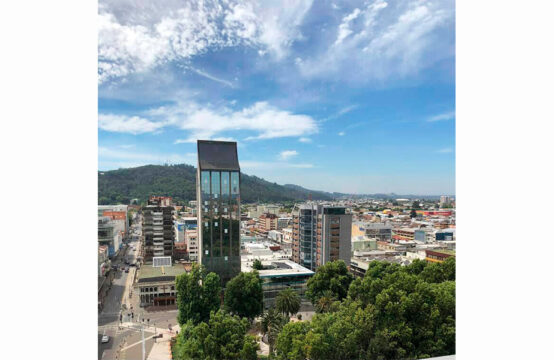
218, 204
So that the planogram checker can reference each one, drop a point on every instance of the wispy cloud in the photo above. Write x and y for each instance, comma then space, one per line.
342, 133
211, 77
287, 154
305, 140
137, 37
342, 111
445, 150
442, 117
378, 42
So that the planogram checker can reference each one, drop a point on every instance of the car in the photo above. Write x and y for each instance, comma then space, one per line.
105, 339
126, 269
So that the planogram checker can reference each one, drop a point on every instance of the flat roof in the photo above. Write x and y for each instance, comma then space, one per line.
284, 267
150, 273
217, 155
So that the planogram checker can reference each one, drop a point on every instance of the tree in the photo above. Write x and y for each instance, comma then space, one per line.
223, 337
333, 276
291, 344
272, 324
288, 302
198, 293
244, 295
415, 205
413, 213
325, 302
257, 265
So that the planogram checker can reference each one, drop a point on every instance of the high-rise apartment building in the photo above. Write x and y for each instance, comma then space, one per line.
321, 233
218, 207
158, 229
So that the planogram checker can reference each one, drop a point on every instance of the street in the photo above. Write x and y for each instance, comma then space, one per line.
125, 336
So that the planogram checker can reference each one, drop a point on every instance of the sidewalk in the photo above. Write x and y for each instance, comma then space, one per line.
162, 348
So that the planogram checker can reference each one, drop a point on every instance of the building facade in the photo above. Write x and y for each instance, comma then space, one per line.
321, 234
218, 211
158, 229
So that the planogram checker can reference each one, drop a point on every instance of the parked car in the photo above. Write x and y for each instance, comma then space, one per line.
127, 269
105, 339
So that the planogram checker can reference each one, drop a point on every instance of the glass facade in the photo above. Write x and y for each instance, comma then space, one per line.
220, 200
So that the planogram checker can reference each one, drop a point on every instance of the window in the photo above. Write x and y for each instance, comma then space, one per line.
215, 223
172, 287
225, 231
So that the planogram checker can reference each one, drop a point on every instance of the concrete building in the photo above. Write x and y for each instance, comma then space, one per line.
445, 200
156, 283
321, 233
218, 196
284, 222
426, 235
109, 235
191, 240
275, 235
267, 222
115, 212
158, 229
278, 275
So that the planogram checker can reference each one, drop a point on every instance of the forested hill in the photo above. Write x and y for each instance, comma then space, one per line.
179, 182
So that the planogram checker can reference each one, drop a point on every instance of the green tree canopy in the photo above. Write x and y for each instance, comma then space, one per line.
257, 265
198, 293
394, 312
244, 295
222, 337
288, 302
334, 277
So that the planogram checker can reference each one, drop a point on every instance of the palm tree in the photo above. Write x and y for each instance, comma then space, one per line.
325, 302
272, 324
288, 302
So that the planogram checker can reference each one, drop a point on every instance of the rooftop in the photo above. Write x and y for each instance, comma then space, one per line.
282, 267
217, 155
149, 273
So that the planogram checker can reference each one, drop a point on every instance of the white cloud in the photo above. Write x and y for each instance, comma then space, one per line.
138, 36
287, 154
379, 42
445, 150
127, 124
305, 140
344, 27
261, 119
342, 133
266, 121
444, 116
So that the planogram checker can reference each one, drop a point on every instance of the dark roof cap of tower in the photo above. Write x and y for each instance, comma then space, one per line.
217, 155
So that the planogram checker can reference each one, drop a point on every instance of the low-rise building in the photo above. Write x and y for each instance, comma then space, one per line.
278, 275
437, 255
155, 284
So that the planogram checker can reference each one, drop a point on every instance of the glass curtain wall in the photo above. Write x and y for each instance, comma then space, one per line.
221, 222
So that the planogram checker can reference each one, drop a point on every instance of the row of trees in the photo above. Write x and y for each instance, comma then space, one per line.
209, 331
394, 312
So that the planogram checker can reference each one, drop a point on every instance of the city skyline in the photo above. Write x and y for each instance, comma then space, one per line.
356, 98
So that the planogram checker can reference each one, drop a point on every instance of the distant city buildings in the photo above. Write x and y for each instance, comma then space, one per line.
218, 207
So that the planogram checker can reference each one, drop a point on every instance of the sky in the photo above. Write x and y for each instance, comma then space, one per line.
346, 96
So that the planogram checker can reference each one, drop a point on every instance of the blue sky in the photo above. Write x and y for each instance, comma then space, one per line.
348, 96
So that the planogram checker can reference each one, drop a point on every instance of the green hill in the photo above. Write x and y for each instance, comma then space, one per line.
179, 182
